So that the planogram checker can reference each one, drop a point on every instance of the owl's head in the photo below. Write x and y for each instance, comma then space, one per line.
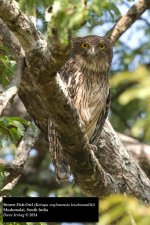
93, 52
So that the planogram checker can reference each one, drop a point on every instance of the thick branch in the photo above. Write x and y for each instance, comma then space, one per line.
29, 36
19, 24
135, 147
96, 179
9, 41
116, 160
139, 151
68, 125
129, 18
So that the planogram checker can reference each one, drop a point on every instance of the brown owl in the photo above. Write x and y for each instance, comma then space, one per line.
86, 76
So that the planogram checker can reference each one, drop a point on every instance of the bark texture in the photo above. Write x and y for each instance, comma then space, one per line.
99, 172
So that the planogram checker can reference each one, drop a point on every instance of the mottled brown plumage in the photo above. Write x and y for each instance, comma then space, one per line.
86, 76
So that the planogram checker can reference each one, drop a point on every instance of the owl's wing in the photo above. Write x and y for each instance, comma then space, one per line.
68, 75
101, 121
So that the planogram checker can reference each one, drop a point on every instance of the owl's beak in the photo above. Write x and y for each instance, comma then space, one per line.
92, 52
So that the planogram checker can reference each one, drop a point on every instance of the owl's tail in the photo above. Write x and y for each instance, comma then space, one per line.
61, 167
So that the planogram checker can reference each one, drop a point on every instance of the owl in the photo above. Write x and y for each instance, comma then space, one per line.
86, 76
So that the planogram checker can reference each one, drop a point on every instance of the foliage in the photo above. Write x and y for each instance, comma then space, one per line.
122, 210
6, 67
2, 176
131, 97
65, 16
12, 129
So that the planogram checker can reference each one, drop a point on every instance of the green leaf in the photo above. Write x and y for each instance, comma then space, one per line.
12, 128
19, 126
6, 67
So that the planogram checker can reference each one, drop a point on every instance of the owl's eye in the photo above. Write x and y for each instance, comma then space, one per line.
102, 46
84, 45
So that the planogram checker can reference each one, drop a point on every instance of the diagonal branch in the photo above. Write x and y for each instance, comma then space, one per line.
129, 18
9, 41
117, 161
97, 179
19, 24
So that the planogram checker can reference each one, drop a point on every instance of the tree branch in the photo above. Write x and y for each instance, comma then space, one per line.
29, 37
19, 24
12, 89
16, 167
9, 41
95, 179
129, 18
128, 175
140, 152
